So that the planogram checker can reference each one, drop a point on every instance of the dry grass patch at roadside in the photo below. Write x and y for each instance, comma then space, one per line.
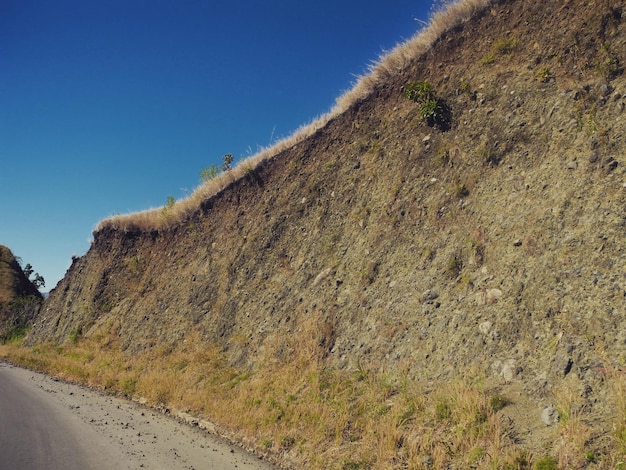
306, 414
294, 406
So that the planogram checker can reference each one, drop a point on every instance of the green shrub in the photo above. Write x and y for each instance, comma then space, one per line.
169, 204
419, 92
544, 75
422, 93
504, 46
209, 173
213, 171
433, 110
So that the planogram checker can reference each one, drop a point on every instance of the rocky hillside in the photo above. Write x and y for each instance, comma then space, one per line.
13, 281
17, 294
491, 238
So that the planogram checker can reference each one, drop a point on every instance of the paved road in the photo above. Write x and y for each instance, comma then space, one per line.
52, 425
37, 432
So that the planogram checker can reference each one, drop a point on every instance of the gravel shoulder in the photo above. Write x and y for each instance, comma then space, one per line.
52, 424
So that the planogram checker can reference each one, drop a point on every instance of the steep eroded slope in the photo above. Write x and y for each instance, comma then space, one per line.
497, 243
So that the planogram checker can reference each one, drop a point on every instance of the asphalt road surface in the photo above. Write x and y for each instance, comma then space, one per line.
46, 424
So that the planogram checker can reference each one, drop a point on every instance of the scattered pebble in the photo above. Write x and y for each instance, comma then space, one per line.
429, 295
492, 295
549, 415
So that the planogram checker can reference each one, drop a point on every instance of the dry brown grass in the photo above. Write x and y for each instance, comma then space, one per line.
616, 381
294, 406
572, 446
380, 71
307, 414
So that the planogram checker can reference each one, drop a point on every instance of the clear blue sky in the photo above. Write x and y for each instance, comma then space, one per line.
111, 106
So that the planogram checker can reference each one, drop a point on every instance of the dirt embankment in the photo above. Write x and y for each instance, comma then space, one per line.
496, 242
434, 247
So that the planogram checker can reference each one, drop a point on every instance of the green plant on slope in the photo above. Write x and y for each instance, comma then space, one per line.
544, 75
209, 173
213, 171
505, 46
501, 47
169, 204
38, 281
433, 110
422, 93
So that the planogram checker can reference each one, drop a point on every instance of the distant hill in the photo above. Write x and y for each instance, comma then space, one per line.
17, 293
461, 222
13, 282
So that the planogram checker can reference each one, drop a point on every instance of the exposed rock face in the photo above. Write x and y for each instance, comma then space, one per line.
499, 242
